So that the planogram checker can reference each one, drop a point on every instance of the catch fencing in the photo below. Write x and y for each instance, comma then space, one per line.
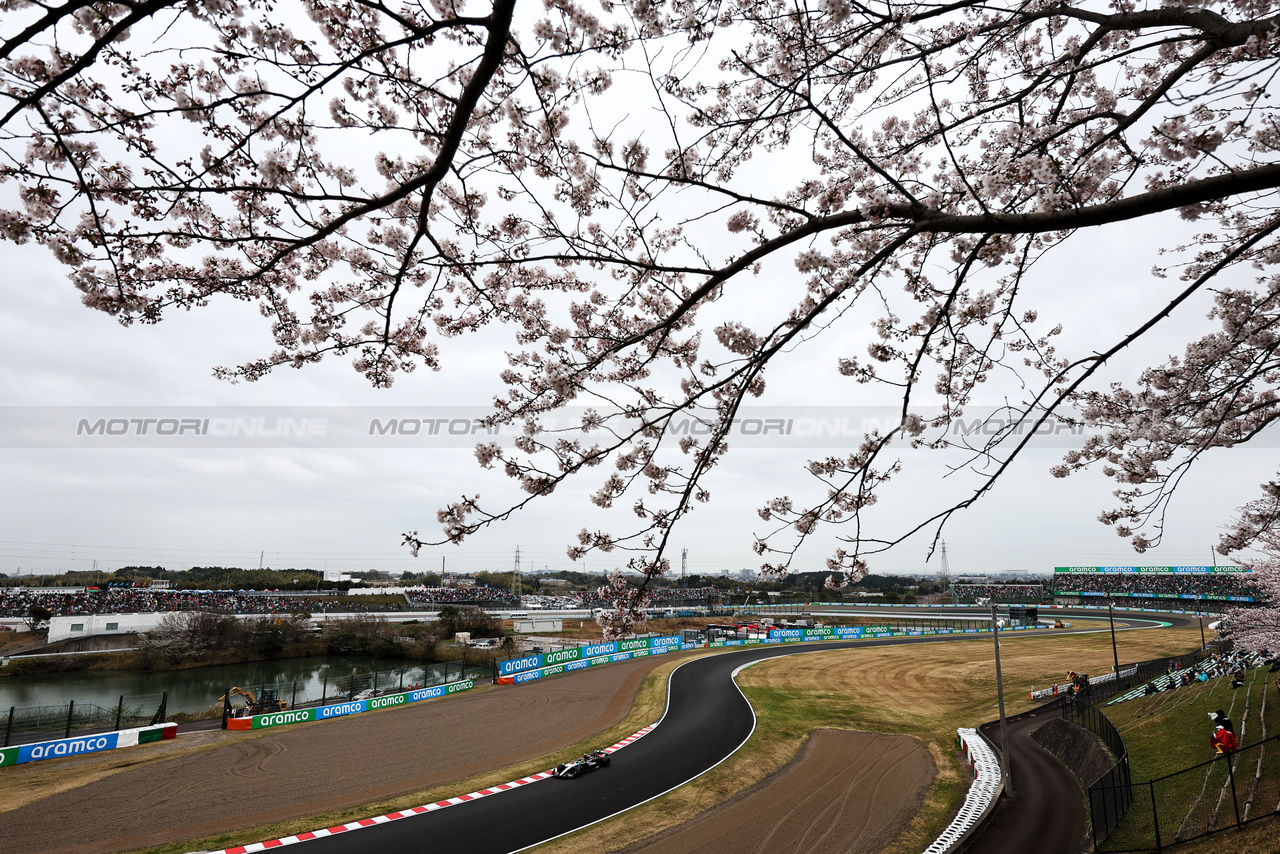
24, 725
293, 694
1110, 796
1224, 793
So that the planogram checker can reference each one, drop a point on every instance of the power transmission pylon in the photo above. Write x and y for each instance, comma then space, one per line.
684, 563
515, 579
944, 574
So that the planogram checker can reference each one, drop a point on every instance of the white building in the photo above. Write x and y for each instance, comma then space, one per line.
66, 628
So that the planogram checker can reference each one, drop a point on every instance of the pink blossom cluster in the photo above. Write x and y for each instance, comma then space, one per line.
381, 180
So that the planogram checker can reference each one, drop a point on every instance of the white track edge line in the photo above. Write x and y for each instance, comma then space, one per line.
734, 680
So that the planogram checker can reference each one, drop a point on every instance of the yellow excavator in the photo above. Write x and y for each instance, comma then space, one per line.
266, 704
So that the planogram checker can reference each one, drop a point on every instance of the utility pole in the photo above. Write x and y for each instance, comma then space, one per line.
1004, 728
1115, 655
1200, 619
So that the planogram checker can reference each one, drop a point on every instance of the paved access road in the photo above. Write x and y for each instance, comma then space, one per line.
706, 720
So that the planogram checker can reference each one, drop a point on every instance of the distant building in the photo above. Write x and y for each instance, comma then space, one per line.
534, 625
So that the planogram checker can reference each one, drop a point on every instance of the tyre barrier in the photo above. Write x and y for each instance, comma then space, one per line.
64, 747
351, 707
983, 793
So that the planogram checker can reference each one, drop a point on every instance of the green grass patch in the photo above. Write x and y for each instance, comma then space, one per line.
1170, 731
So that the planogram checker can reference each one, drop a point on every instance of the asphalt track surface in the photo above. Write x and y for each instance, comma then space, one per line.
706, 720
1047, 813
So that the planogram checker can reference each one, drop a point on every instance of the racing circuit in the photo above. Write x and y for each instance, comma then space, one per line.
707, 718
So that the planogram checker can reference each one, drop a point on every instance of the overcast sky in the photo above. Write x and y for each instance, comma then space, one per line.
65, 507
345, 508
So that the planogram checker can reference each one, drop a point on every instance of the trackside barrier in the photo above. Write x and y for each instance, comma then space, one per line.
352, 707
64, 747
986, 789
516, 671
617, 650
1055, 690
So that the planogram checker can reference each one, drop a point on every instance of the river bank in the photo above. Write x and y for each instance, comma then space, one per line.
193, 692
136, 661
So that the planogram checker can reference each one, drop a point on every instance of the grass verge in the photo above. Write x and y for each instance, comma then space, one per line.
922, 691
646, 708
1169, 732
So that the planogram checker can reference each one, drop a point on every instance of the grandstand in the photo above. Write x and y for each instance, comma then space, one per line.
16, 602
1026, 594
706, 597
1154, 586
479, 597
85, 601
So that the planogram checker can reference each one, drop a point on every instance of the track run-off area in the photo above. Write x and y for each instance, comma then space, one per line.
706, 720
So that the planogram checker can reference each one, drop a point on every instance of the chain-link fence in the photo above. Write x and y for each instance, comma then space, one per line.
1110, 796
1223, 793
24, 725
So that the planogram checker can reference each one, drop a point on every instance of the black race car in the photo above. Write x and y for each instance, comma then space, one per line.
589, 762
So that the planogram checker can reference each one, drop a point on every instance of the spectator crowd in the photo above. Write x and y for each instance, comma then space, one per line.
17, 602
660, 597
1157, 584
490, 597
1031, 593
1122, 586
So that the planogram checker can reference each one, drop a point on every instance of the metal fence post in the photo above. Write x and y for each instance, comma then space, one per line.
1093, 818
1235, 803
1155, 818
8, 730
119, 712
226, 707
293, 701
71, 710
163, 711
1106, 814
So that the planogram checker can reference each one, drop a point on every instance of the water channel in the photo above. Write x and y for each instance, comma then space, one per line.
196, 690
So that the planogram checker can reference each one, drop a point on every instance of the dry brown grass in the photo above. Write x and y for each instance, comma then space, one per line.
917, 685
920, 690
24, 784
924, 691
646, 708
1259, 837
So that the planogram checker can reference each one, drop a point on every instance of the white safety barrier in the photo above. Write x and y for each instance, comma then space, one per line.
987, 785
1055, 690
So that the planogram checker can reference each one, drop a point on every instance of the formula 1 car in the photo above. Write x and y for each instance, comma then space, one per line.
589, 762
